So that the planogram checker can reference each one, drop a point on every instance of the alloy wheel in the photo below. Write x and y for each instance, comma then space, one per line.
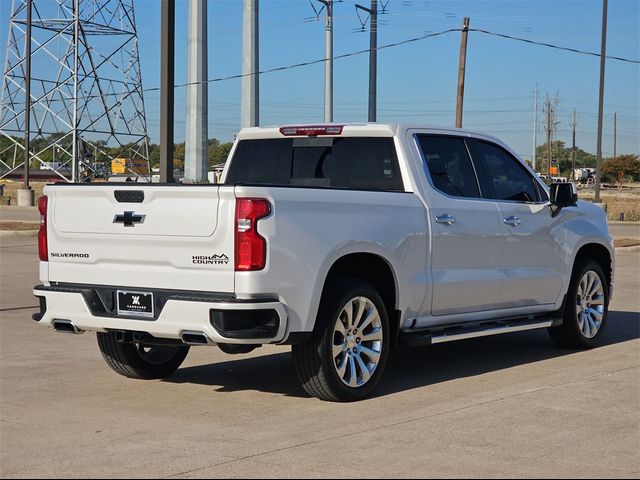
590, 304
357, 342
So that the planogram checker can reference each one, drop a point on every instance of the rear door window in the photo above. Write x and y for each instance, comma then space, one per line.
358, 163
449, 165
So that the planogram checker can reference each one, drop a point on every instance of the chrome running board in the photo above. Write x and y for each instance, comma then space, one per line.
444, 334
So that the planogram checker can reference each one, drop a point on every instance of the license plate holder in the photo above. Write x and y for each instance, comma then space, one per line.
134, 303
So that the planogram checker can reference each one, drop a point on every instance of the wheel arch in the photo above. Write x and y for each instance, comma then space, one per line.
374, 269
601, 254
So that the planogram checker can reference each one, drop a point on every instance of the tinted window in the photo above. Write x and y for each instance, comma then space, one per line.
360, 163
449, 165
503, 177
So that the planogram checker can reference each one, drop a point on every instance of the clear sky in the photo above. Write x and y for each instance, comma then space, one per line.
417, 82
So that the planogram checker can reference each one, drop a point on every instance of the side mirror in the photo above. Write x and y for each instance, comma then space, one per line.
563, 194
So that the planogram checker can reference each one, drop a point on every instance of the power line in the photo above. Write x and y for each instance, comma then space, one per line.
292, 66
322, 60
361, 52
550, 45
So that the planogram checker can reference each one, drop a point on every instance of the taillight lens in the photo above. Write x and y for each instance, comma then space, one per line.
311, 130
251, 248
43, 250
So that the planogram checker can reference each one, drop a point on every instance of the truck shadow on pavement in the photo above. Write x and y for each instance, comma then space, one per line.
407, 368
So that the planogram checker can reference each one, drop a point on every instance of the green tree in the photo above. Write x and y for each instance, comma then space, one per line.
8, 150
562, 156
583, 160
620, 168
178, 156
559, 155
154, 155
218, 152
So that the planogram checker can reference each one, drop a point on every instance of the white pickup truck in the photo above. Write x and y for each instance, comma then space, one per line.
340, 240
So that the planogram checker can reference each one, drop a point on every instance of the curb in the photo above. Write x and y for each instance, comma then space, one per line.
18, 233
633, 249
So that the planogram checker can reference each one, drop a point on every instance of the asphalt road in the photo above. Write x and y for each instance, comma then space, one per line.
512, 406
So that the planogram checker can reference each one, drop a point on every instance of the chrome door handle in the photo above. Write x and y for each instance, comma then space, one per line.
513, 221
446, 219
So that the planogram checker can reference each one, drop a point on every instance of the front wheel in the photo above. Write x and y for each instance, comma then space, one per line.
135, 360
346, 356
585, 312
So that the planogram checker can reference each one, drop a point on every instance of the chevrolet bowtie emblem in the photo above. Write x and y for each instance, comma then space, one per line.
128, 218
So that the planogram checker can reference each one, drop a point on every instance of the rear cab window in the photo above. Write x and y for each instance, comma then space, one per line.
355, 163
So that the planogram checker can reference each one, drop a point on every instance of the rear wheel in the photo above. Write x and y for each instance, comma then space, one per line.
135, 360
585, 312
346, 356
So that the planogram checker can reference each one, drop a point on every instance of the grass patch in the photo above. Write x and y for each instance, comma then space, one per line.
630, 207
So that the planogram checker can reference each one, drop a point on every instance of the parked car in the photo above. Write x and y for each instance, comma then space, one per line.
340, 240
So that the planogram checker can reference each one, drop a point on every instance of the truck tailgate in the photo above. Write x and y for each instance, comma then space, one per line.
153, 236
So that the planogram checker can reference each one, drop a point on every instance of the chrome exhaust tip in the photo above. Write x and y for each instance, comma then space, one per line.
195, 338
66, 326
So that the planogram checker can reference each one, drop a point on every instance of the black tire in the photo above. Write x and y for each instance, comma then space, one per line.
133, 360
569, 334
314, 361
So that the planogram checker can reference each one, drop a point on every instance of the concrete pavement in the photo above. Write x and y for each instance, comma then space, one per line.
625, 229
19, 214
509, 406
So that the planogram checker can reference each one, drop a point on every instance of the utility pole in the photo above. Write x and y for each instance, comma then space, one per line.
196, 162
573, 146
373, 61
373, 56
549, 128
615, 133
461, 70
76, 68
250, 112
167, 67
535, 126
328, 56
328, 63
603, 54
26, 195
328, 74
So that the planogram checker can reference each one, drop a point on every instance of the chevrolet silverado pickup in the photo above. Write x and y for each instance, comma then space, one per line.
342, 241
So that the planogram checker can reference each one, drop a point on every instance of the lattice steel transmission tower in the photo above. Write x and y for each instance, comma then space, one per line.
87, 102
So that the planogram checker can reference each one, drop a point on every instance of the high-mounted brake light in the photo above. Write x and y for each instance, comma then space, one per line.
312, 131
251, 247
43, 250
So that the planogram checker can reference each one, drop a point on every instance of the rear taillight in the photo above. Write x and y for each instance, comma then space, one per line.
251, 248
43, 251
